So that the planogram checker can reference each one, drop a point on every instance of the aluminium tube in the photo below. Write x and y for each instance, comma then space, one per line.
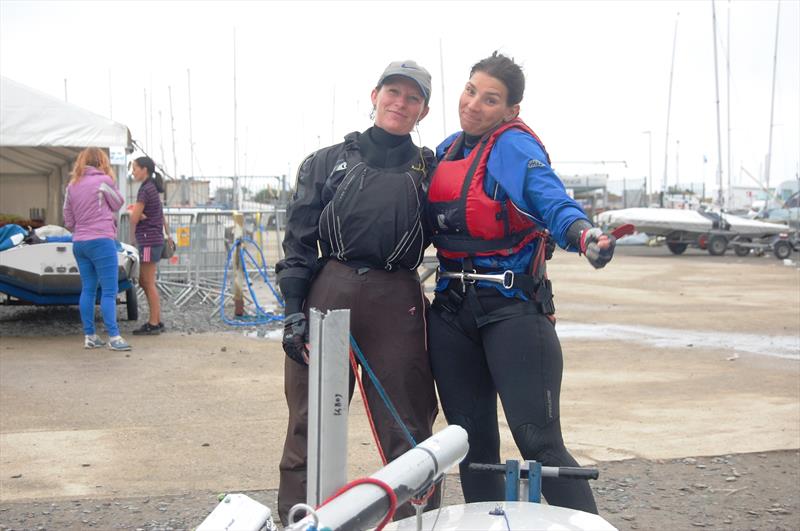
363, 506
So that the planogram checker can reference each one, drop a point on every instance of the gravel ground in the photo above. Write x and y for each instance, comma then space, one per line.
190, 318
736, 492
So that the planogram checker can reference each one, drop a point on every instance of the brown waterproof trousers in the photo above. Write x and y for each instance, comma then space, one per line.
387, 320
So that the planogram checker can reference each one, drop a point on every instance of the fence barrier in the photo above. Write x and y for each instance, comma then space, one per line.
203, 242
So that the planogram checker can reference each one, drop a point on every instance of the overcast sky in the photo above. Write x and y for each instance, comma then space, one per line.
597, 76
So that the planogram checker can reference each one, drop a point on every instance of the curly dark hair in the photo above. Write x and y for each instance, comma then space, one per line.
506, 70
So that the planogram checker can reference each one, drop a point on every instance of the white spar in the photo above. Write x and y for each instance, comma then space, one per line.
363, 506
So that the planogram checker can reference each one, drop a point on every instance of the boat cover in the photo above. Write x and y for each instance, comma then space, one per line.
663, 221
11, 235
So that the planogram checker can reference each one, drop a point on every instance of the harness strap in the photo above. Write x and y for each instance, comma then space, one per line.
536, 285
467, 244
541, 302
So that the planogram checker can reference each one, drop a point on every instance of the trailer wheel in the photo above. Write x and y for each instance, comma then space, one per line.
717, 245
676, 247
740, 250
132, 304
782, 249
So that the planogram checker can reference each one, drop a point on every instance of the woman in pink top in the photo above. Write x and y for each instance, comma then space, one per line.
90, 212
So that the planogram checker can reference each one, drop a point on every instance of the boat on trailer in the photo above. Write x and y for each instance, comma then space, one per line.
46, 274
711, 231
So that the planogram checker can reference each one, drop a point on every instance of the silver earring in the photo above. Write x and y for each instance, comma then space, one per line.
372, 114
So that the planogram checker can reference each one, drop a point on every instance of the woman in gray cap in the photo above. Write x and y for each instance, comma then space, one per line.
360, 202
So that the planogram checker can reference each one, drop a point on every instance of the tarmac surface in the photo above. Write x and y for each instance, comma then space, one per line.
671, 362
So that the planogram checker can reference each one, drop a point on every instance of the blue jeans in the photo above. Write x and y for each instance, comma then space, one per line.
98, 263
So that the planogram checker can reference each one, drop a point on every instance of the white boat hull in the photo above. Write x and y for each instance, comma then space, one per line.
49, 269
514, 515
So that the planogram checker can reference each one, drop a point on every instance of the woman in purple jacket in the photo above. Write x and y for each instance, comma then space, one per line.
90, 212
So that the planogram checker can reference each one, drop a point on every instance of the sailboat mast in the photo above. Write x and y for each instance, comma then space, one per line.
191, 138
768, 165
719, 134
669, 108
235, 137
110, 102
152, 127
146, 129
441, 76
728, 106
160, 131
172, 127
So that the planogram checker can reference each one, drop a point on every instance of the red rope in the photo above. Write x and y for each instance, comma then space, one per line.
354, 366
372, 481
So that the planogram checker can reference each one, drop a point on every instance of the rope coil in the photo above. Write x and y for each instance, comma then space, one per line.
262, 316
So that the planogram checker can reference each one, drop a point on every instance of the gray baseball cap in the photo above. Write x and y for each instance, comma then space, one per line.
411, 70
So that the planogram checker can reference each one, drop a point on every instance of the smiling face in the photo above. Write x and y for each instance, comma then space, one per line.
399, 104
484, 104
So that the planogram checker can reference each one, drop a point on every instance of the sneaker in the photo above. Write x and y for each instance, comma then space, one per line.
148, 330
93, 342
161, 326
117, 343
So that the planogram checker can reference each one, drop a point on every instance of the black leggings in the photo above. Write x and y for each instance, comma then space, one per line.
519, 357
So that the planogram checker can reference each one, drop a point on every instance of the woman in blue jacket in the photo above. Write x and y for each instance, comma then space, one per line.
493, 202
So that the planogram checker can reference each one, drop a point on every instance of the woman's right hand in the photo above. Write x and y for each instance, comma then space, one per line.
295, 336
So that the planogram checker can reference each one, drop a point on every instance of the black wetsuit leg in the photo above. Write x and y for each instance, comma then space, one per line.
520, 358
524, 356
468, 399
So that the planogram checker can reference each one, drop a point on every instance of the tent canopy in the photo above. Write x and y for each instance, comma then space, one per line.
31, 118
40, 138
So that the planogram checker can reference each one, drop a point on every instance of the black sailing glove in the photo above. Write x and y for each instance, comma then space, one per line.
295, 337
597, 256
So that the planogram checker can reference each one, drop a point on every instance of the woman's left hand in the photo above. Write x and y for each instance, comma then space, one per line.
598, 246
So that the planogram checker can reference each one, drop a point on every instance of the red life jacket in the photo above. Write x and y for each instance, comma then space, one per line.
464, 220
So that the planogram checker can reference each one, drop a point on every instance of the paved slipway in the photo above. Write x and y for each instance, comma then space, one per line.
681, 384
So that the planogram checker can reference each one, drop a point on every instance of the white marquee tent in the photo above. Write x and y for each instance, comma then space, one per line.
40, 138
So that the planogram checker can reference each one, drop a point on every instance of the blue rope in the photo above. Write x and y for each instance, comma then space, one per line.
261, 270
262, 316
381, 391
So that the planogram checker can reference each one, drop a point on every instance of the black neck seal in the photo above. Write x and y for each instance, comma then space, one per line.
382, 149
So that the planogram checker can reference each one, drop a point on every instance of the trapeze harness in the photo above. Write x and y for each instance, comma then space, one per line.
466, 223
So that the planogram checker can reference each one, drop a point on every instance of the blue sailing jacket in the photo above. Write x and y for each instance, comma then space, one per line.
518, 169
